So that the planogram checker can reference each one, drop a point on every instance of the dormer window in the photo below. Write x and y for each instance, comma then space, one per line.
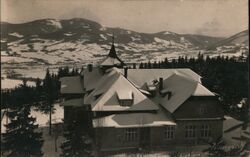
151, 89
125, 98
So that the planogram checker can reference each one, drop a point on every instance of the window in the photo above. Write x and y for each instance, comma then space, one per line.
131, 134
190, 131
205, 131
125, 98
126, 102
203, 109
169, 132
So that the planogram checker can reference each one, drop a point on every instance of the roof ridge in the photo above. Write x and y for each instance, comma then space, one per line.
177, 73
96, 104
137, 89
105, 92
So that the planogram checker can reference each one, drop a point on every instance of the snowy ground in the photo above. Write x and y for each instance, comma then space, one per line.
41, 119
11, 83
32, 59
51, 145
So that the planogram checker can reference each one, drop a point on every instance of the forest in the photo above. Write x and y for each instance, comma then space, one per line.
227, 77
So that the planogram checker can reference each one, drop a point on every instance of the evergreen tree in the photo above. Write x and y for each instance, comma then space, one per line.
134, 65
20, 138
141, 66
149, 66
76, 144
50, 93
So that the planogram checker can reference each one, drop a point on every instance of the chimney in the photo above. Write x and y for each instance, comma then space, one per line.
160, 84
90, 67
125, 72
169, 94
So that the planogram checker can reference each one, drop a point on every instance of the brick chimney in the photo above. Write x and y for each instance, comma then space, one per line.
160, 84
125, 72
90, 67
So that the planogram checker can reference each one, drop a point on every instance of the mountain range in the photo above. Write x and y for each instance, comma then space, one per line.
53, 42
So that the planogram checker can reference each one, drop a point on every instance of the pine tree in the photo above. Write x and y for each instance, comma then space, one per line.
134, 65
141, 66
50, 94
20, 138
76, 144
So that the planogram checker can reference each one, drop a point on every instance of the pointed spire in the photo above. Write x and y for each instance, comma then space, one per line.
113, 39
112, 52
115, 61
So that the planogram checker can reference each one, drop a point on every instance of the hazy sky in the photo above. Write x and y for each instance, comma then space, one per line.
208, 17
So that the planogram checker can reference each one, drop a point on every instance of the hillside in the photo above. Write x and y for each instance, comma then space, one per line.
76, 42
241, 38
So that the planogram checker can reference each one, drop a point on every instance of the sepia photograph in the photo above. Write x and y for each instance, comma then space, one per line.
125, 78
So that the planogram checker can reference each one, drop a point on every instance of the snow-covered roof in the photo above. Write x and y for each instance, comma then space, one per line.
181, 83
181, 88
125, 95
100, 86
91, 78
141, 77
112, 58
230, 122
151, 87
73, 102
125, 120
105, 88
109, 61
202, 91
108, 89
71, 84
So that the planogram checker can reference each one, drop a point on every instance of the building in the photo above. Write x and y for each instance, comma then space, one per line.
138, 108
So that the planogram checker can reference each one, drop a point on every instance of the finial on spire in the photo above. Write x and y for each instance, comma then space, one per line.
113, 39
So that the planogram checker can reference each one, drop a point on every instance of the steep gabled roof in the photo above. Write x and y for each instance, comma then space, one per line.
181, 88
200, 90
108, 100
91, 78
182, 83
71, 85
101, 85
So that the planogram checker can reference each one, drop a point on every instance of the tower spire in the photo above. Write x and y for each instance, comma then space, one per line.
113, 39
112, 58
112, 52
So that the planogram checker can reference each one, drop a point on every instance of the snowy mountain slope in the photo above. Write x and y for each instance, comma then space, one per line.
241, 38
82, 29
75, 42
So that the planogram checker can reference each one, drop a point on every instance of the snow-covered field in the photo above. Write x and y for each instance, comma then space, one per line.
32, 58
11, 83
